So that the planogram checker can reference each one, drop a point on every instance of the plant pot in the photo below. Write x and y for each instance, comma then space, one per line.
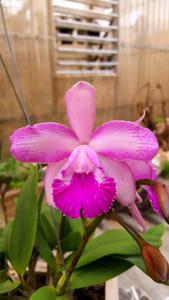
9, 206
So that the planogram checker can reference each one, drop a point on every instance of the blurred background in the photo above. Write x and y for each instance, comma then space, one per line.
121, 47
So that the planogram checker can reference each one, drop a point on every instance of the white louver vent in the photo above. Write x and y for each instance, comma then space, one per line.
86, 37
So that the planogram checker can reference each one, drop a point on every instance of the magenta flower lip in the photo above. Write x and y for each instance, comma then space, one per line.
87, 170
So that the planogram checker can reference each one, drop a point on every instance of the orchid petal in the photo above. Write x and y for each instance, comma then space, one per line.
126, 191
137, 216
153, 198
53, 171
122, 140
145, 170
140, 169
90, 194
42, 143
80, 103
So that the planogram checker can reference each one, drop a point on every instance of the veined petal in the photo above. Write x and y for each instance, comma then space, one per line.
80, 103
42, 143
137, 216
53, 171
126, 190
121, 140
145, 170
119, 171
153, 198
90, 194
140, 169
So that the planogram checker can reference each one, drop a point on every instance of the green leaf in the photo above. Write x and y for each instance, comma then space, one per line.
72, 230
4, 232
48, 229
2, 241
44, 249
47, 293
72, 241
24, 226
8, 238
157, 230
6, 285
98, 272
115, 241
137, 261
72, 225
4, 238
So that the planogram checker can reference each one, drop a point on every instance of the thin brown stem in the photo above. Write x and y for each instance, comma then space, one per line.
89, 230
65, 272
137, 237
61, 286
3, 191
31, 280
59, 259
62, 228
24, 284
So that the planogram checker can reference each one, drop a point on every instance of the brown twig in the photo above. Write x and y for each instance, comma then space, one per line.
61, 286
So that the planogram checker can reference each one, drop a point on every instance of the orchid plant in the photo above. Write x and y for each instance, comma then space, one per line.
87, 172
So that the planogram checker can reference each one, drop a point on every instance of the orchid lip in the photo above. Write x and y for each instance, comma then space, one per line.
90, 196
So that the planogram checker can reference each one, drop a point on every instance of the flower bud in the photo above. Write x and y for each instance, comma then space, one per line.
163, 199
156, 264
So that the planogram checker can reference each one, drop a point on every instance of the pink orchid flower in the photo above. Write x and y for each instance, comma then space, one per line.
87, 171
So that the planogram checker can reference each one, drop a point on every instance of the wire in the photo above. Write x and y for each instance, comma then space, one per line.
19, 96
27, 119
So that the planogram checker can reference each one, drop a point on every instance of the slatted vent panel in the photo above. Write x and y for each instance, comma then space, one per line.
86, 37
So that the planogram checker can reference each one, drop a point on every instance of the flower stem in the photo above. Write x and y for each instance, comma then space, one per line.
61, 230
137, 237
61, 255
24, 284
61, 286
